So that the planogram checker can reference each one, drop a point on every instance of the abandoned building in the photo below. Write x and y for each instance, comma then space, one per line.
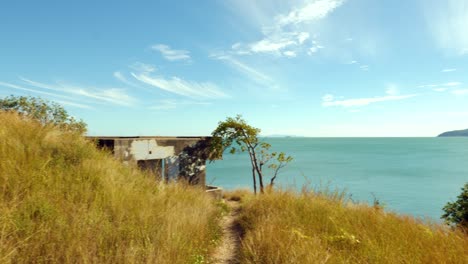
168, 158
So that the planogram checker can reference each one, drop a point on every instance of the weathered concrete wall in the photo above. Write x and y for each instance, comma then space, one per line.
168, 157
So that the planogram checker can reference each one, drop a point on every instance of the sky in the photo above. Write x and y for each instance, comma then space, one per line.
318, 68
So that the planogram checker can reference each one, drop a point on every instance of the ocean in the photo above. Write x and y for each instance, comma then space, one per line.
414, 176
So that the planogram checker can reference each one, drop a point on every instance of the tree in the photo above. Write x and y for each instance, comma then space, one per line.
238, 136
45, 112
457, 212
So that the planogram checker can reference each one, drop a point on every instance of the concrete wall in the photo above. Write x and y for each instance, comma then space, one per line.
168, 157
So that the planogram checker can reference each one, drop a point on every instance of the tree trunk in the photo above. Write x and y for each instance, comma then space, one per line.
254, 181
259, 171
253, 174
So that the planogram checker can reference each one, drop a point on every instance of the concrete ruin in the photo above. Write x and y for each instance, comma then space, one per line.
168, 158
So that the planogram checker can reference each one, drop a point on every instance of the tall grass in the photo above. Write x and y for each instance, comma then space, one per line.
289, 227
63, 201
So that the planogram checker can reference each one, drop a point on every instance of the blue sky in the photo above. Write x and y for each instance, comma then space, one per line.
300, 67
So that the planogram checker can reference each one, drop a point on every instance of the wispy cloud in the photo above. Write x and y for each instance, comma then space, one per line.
278, 43
392, 90
250, 72
448, 84
142, 67
364, 67
109, 95
121, 77
171, 54
449, 70
447, 22
329, 100
314, 48
460, 92
169, 104
181, 87
441, 89
310, 11
64, 102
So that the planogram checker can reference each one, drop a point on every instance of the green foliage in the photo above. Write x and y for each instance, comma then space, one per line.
238, 136
233, 130
43, 111
457, 212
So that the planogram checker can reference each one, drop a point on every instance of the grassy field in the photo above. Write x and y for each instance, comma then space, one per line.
63, 201
288, 227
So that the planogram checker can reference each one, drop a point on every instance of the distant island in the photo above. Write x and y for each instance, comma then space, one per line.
455, 133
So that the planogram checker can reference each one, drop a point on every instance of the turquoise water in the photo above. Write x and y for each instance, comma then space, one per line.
415, 176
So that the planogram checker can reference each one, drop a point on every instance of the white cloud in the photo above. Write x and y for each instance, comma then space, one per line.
310, 11
119, 76
364, 101
143, 67
73, 104
428, 85
110, 95
460, 92
439, 89
284, 31
392, 90
447, 22
63, 102
452, 84
274, 42
312, 50
364, 67
448, 70
315, 48
249, 71
290, 54
268, 45
181, 87
303, 36
171, 54
449, 84
328, 98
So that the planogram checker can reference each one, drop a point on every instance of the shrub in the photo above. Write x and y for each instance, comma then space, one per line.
43, 111
457, 212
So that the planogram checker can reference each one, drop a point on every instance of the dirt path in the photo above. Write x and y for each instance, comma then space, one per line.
227, 251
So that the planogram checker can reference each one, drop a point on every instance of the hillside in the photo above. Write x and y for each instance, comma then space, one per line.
63, 201
455, 133
325, 227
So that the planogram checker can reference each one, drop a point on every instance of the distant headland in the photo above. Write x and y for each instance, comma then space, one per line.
455, 133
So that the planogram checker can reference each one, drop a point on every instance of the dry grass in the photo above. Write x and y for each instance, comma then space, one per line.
63, 201
287, 227
236, 195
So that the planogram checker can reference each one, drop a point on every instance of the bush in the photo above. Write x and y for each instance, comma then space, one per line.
457, 212
43, 111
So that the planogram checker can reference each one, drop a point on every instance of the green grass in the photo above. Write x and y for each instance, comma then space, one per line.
289, 227
63, 201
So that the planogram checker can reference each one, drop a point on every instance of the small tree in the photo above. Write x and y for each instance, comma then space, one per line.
457, 212
236, 134
43, 111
